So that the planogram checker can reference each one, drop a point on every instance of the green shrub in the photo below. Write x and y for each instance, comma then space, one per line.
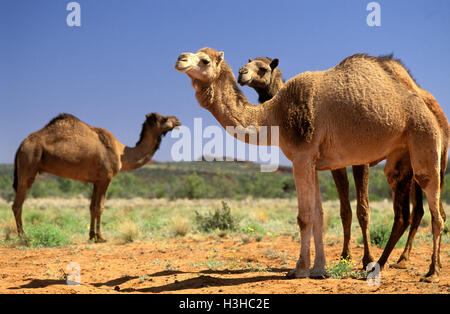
219, 219
379, 236
194, 187
45, 236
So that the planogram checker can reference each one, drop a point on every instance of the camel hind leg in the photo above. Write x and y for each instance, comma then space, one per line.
24, 180
96, 208
341, 181
417, 214
399, 174
425, 160
361, 176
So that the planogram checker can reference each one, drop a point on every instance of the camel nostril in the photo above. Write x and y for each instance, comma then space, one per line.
182, 58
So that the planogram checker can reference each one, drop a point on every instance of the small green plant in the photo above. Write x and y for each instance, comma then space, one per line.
342, 269
379, 236
219, 219
45, 236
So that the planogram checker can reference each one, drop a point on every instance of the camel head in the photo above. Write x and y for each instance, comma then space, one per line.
204, 65
257, 73
158, 124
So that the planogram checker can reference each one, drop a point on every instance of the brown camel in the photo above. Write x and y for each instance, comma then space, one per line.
69, 148
352, 114
264, 76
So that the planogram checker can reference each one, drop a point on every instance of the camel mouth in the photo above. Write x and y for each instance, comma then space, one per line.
243, 82
181, 65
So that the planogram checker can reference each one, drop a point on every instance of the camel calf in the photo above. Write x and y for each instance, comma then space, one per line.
69, 148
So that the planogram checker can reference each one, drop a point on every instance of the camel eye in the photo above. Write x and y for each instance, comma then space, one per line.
263, 70
205, 61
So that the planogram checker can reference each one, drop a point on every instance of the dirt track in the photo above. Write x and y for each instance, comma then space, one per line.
179, 266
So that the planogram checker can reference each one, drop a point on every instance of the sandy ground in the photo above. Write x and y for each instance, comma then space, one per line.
208, 265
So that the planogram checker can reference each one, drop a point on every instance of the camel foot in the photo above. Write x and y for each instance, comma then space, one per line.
346, 255
100, 240
401, 264
298, 273
367, 259
434, 278
319, 272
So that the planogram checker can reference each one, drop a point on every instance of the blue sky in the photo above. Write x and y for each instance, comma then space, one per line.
118, 65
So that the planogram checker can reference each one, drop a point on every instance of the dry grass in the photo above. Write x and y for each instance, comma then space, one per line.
180, 226
129, 231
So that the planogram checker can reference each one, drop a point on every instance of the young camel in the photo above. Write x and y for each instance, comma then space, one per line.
374, 123
69, 148
263, 75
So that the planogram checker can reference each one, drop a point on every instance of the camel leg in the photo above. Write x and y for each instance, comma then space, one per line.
417, 214
17, 207
318, 270
304, 175
92, 209
444, 218
341, 180
99, 206
24, 183
361, 176
399, 175
425, 161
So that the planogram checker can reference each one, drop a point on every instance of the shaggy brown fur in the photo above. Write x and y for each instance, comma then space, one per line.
69, 148
360, 114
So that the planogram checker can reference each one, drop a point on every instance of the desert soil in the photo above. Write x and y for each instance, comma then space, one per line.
200, 265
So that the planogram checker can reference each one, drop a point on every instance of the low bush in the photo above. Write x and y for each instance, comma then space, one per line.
219, 219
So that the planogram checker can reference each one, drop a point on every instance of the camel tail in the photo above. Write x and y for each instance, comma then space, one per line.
15, 170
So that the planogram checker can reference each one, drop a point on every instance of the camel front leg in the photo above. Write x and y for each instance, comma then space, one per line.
304, 176
318, 271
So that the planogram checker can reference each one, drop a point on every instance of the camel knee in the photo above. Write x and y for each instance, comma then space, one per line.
304, 221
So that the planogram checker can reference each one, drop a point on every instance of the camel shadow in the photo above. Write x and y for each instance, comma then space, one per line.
40, 283
205, 280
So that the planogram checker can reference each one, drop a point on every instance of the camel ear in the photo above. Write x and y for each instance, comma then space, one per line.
249, 60
151, 119
274, 63
220, 57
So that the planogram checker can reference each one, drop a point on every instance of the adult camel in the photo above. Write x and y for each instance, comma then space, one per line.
264, 75
69, 148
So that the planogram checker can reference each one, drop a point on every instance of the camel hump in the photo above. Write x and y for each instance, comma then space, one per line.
392, 66
62, 117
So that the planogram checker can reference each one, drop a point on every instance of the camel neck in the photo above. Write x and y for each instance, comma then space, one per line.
136, 157
267, 93
228, 104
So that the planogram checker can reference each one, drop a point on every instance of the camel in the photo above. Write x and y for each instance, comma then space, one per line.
263, 75
69, 148
355, 113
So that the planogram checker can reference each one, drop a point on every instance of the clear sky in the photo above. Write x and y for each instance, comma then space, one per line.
119, 64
